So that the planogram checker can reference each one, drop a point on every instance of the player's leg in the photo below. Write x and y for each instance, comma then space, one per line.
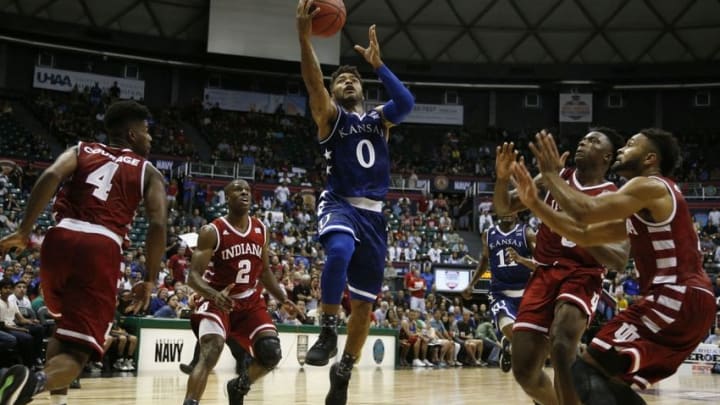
530, 351
65, 362
530, 343
240, 355
644, 344
364, 280
505, 325
87, 308
504, 310
339, 248
253, 328
237, 351
188, 368
340, 373
577, 300
565, 333
212, 340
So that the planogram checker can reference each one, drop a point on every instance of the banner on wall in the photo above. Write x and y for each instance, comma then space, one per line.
66, 80
439, 114
576, 107
705, 359
235, 100
165, 349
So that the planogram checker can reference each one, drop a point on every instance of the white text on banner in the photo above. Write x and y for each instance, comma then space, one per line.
66, 80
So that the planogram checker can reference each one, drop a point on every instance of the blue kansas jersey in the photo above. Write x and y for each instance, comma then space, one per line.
356, 156
507, 275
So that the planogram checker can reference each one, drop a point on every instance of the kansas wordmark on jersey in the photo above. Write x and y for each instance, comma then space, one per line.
356, 156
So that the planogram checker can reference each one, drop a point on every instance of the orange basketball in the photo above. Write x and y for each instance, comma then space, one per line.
331, 18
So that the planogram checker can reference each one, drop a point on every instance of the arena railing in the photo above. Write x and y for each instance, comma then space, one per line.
219, 169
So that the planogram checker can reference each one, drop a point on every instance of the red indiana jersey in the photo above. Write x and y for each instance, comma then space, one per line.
237, 258
667, 252
553, 250
106, 189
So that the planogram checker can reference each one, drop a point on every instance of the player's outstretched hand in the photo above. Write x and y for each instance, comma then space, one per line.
505, 155
511, 255
291, 308
223, 300
141, 294
372, 52
546, 153
304, 17
526, 189
15, 240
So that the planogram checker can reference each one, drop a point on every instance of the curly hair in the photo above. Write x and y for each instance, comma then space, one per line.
345, 69
666, 145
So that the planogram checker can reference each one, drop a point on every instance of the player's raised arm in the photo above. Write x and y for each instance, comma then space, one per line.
43, 190
530, 239
155, 201
401, 100
207, 241
321, 105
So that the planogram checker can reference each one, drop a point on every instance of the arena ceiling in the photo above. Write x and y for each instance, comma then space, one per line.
454, 31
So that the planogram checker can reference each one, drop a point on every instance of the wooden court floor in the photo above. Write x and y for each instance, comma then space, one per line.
368, 386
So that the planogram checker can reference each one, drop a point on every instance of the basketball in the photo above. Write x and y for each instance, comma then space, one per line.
331, 18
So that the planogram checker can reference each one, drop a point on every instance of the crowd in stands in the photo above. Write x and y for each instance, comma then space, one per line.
16, 141
78, 116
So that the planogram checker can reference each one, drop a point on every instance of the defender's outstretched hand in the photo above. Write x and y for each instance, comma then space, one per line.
511, 255
372, 52
505, 155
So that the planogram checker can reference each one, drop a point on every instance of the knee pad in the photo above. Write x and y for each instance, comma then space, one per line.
267, 351
339, 248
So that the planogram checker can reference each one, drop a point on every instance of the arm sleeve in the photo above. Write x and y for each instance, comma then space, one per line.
401, 100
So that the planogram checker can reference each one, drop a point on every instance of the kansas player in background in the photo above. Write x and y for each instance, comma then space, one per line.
352, 227
648, 341
506, 248
231, 307
81, 255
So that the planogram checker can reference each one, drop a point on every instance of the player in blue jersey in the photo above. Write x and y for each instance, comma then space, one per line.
507, 249
352, 227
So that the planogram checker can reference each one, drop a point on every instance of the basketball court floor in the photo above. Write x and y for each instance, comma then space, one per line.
487, 386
